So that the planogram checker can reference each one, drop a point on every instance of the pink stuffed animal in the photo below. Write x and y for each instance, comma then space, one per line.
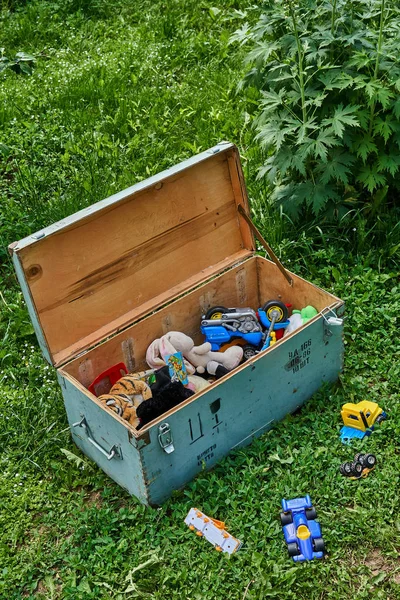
197, 357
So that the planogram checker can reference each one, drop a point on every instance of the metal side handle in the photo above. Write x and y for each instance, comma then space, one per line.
115, 451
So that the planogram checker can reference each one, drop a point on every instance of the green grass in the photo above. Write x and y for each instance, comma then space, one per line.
120, 91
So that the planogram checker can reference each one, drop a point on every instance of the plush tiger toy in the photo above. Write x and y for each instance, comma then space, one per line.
135, 389
122, 407
125, 396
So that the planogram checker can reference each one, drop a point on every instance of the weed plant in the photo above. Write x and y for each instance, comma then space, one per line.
121, 90
329, 76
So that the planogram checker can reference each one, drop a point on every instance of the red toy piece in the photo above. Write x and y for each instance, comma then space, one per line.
104, 382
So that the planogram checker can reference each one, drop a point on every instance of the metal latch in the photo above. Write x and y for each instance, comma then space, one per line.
329, 322
165, 438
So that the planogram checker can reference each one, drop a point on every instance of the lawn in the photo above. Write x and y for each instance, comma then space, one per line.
120, 91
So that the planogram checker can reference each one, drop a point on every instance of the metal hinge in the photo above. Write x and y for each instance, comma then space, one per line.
329, 322
82, 353
165, 438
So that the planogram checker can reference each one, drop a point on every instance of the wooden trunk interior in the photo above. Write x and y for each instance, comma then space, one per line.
252, 283
99, 273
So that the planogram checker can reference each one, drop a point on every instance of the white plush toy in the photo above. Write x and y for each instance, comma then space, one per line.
197, 357
159, 349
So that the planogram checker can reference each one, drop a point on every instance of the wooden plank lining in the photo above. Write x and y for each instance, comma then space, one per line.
126, 319
237, 286
240, 193
143, 256
98, 272
274, 286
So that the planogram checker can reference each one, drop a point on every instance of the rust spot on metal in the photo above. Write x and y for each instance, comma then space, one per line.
144, 438
295, 390
155, 476
341, 310
158, 185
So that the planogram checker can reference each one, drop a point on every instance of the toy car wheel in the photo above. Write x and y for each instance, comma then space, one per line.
286, 519
369, 461
359, 457
380, 418
356, 469
275, 305
293, 549
319, 545
249, 352
311, 513
346, 469
215, 312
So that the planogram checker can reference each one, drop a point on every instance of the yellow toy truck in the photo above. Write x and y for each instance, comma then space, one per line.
359, 419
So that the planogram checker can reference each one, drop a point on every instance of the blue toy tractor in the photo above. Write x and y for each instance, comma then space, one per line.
221, 325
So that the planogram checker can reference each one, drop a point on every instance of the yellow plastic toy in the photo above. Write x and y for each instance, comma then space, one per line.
359, 419
362, 415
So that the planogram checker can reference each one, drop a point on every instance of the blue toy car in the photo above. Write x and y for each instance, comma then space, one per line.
221, 325
302, 532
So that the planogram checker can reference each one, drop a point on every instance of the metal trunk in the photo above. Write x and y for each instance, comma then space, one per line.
102, 284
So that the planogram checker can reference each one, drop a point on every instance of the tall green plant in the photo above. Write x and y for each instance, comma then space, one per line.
329, 75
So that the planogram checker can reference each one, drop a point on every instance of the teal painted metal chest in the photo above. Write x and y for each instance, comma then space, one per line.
103, 283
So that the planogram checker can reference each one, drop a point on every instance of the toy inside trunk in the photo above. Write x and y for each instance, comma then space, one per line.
104, 283
250, 283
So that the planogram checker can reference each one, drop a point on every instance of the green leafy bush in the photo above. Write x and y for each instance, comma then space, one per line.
329, 75
21, 63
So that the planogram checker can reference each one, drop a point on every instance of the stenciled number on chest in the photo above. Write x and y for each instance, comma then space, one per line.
196, 423
300, 357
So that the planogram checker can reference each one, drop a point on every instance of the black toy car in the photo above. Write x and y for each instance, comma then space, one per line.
360, 467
